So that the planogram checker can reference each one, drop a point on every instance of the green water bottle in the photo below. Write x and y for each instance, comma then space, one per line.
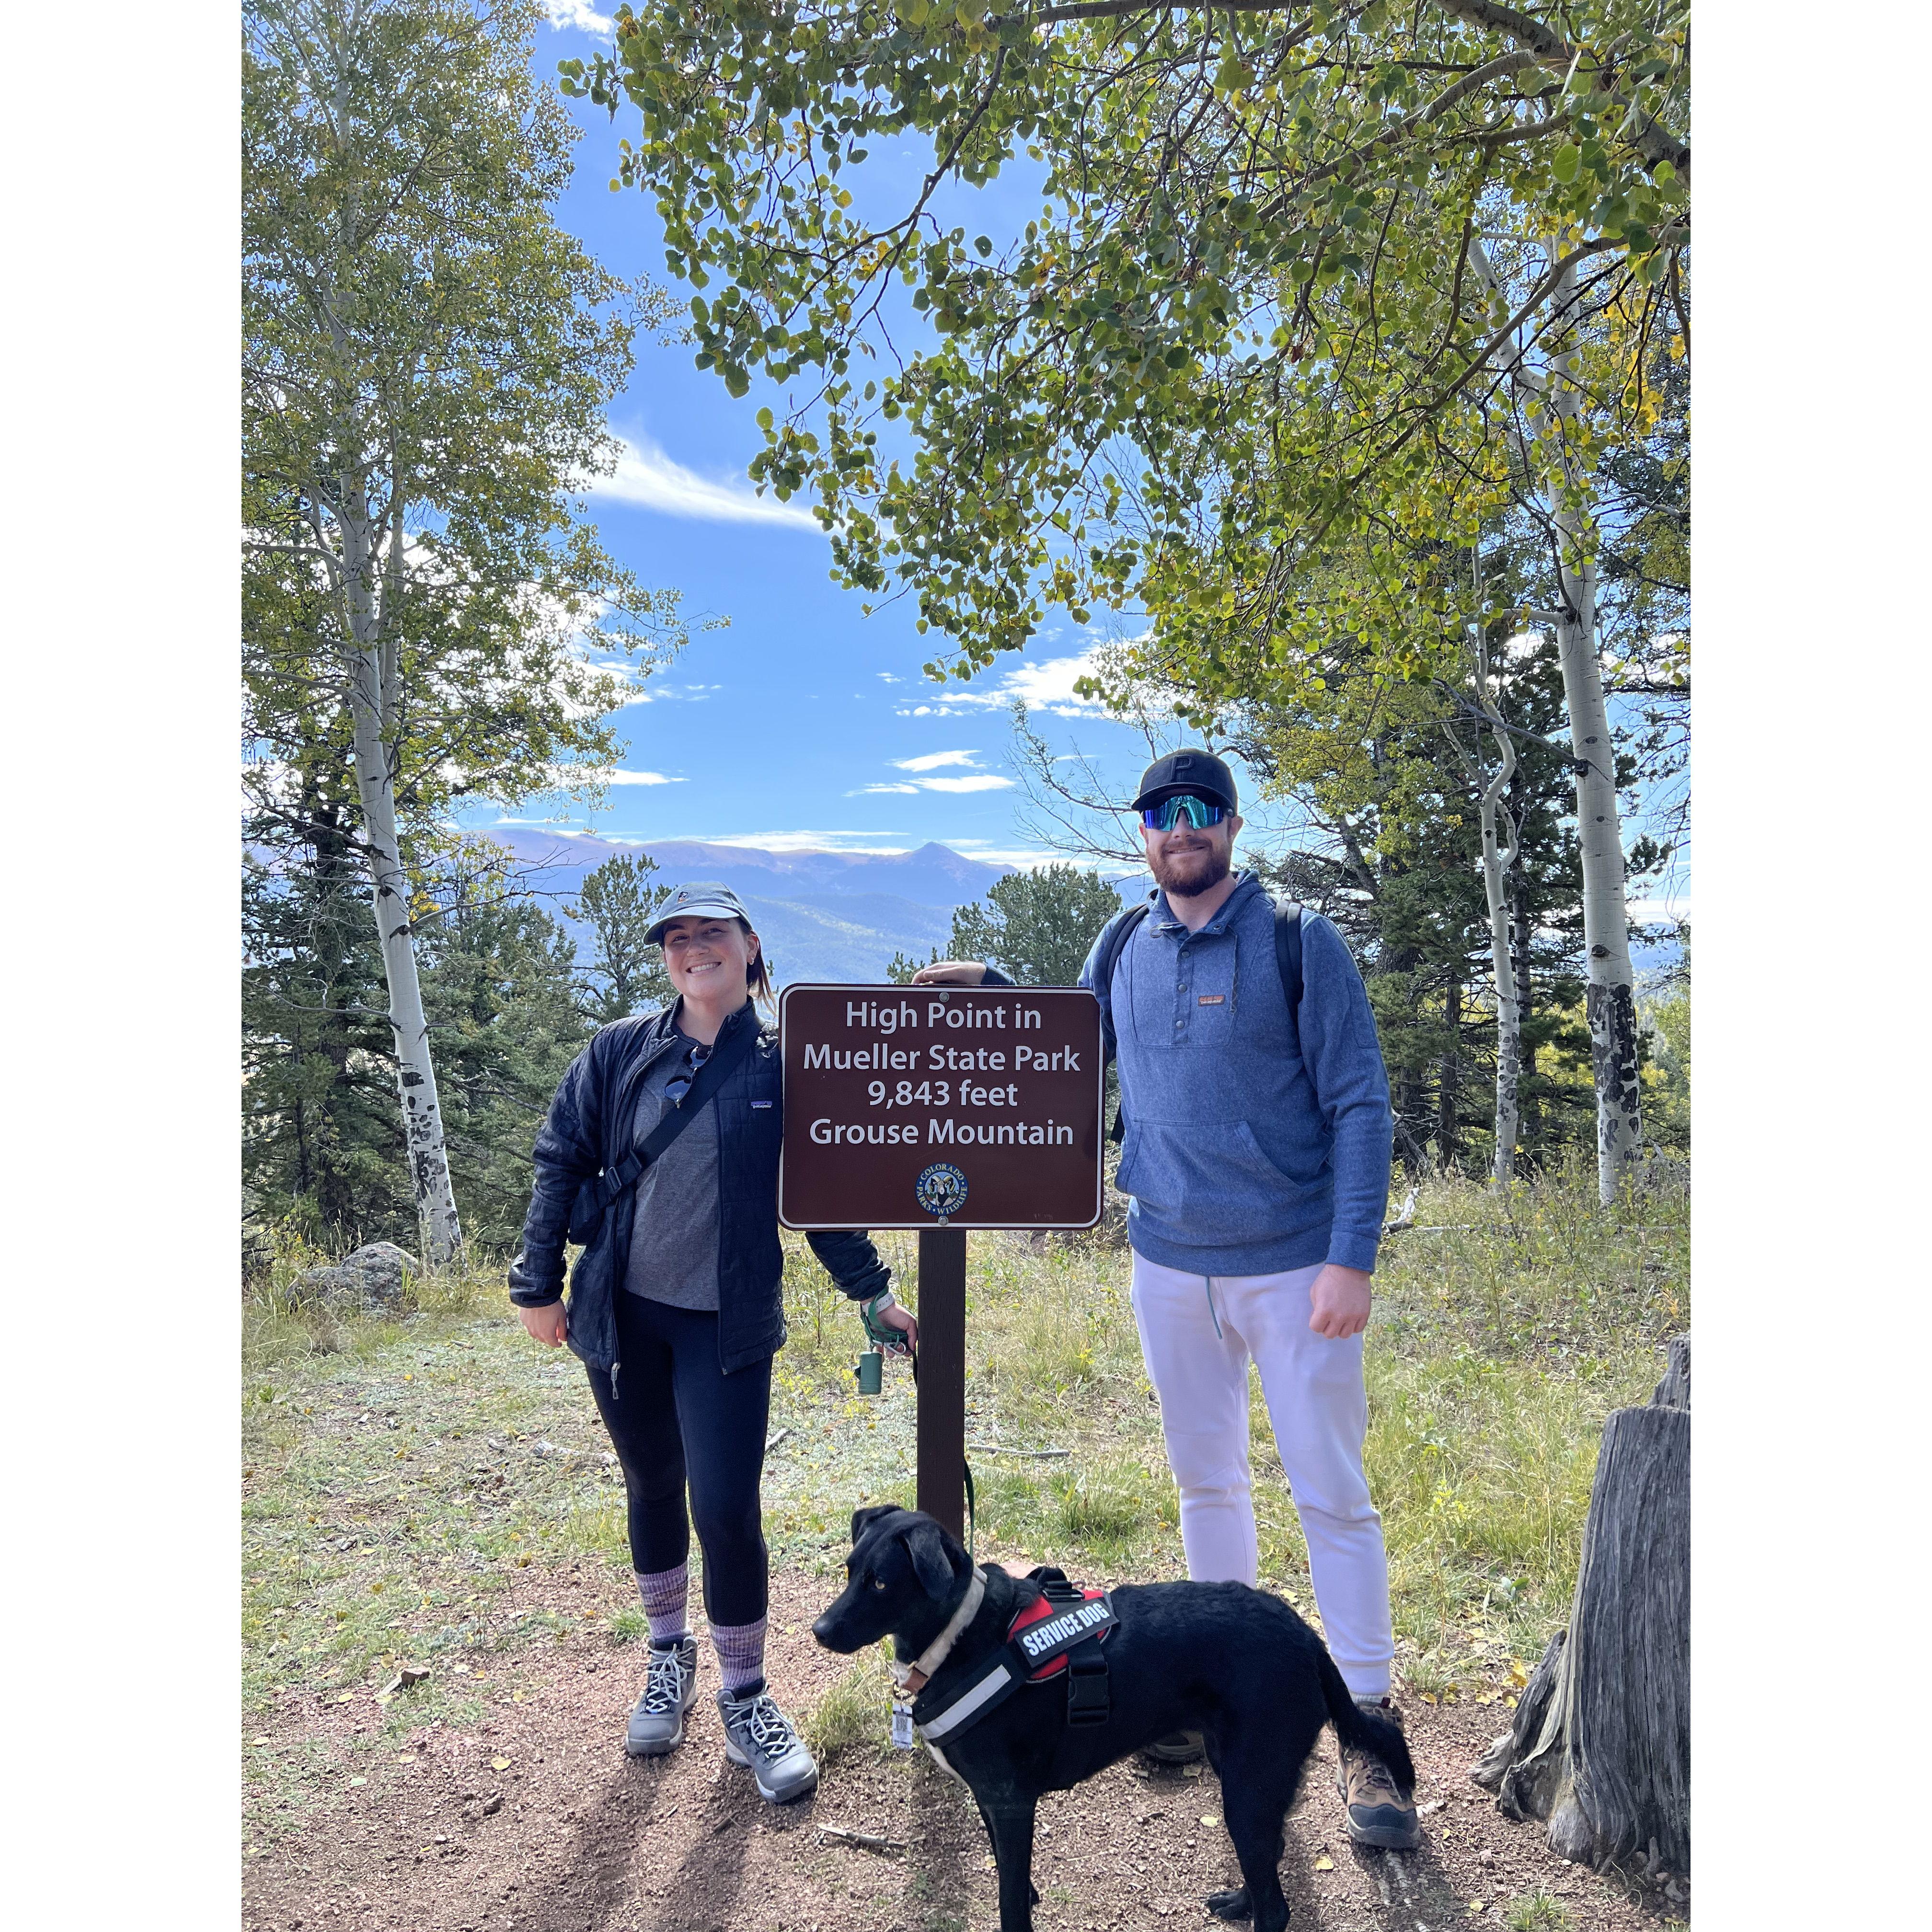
870, 1370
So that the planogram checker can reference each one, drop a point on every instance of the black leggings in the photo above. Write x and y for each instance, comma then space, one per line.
675, 1418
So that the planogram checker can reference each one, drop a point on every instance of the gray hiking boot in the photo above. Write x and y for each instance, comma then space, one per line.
1176, 1748
758, 1733
1380, 1812
670, 1689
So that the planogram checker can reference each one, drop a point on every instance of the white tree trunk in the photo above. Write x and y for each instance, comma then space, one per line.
1611, 989
1611, 994
1497, 857
372, 695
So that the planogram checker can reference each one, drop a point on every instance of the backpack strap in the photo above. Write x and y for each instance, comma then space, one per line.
1288, 959
1113, 942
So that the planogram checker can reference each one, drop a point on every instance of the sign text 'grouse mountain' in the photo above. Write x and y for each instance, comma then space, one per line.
925, 1106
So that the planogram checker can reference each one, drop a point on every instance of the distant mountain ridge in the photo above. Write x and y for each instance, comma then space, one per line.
834, 915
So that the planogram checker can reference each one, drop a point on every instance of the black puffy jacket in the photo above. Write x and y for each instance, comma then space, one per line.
593, 1123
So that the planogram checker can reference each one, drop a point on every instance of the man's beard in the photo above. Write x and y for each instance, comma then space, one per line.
1189, 874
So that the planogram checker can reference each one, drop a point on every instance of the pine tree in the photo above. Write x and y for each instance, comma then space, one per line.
321, 1142
624, 974
901, 969
500, 987
1038, 926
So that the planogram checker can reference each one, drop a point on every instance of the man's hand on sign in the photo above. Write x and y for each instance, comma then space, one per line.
1341, 1297
545, 1325
951, 972
902, 1319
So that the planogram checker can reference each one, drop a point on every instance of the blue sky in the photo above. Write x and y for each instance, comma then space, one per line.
804, 724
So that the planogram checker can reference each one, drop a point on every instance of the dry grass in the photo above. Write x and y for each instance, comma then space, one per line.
853, 1715
402, 1472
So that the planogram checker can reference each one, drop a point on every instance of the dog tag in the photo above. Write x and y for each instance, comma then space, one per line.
902, 1736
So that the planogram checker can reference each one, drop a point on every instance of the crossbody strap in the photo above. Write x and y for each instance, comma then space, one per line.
616, 1180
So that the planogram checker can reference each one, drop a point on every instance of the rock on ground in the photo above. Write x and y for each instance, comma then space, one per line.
371, 1278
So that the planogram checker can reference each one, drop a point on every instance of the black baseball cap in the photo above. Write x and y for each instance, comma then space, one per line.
1192, 771
705, 900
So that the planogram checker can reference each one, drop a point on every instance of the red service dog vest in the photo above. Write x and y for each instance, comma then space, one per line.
1060, 1633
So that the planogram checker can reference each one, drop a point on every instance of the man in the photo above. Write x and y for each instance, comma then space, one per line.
1256, 1159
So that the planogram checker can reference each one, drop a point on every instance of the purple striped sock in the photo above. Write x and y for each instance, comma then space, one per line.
741, 1654
664, 1592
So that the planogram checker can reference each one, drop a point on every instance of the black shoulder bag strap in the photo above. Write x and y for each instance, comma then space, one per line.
594, 1197
1288, 959
1123, 929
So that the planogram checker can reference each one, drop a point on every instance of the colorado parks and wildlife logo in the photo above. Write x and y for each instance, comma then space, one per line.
940, 1189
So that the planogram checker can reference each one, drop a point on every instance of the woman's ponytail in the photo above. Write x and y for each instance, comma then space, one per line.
758, 975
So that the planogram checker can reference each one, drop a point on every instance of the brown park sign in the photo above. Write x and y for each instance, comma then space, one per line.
940, 1106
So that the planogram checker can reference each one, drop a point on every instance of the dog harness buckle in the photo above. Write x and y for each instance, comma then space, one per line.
1087, 1699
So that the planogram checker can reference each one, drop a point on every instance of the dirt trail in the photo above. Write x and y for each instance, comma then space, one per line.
532, 1820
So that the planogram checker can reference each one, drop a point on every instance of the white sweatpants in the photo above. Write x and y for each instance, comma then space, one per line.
1197, 1333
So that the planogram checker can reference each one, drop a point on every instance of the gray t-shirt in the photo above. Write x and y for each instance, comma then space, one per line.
674, 1229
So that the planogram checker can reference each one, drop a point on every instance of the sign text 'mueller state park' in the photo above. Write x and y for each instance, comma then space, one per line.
913, 1106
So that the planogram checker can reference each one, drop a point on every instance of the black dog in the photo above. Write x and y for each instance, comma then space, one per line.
1234, 1664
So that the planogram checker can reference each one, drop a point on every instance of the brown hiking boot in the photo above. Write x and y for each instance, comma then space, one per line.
1380, 1812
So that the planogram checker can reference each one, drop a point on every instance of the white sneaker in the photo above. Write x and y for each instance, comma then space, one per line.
758, 1733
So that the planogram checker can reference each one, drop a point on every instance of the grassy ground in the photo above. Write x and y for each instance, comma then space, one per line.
399, 1474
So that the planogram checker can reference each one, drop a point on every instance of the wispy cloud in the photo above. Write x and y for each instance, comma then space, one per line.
930, 761
567, 777
645, 475
809, 841
657, 693
1660, 911
933, 761
1046, 686
576, 13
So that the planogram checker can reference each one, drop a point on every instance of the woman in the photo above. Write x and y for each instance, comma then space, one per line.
676, 1310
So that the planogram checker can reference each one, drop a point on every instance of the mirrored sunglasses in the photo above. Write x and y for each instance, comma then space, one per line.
1199, 812
678, 1084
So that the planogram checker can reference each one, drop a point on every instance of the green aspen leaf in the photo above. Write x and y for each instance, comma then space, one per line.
765, 420
1564, 162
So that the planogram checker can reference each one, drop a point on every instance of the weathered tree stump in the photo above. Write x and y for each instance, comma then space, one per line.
1601, 1746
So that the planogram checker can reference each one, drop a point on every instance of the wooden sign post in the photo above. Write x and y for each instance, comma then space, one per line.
941, 1109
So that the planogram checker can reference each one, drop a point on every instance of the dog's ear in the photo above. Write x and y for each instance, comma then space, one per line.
863, 1520
931, 1561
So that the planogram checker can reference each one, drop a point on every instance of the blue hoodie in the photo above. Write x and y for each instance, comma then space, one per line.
1251, 1146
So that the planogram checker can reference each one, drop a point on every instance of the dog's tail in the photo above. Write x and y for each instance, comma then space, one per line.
1363, 1729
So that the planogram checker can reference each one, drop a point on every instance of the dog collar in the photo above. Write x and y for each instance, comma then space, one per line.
913, 1676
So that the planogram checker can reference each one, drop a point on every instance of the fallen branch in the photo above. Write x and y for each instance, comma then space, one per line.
864, 1840
1405, 1219
777, 1436
1003, 1449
